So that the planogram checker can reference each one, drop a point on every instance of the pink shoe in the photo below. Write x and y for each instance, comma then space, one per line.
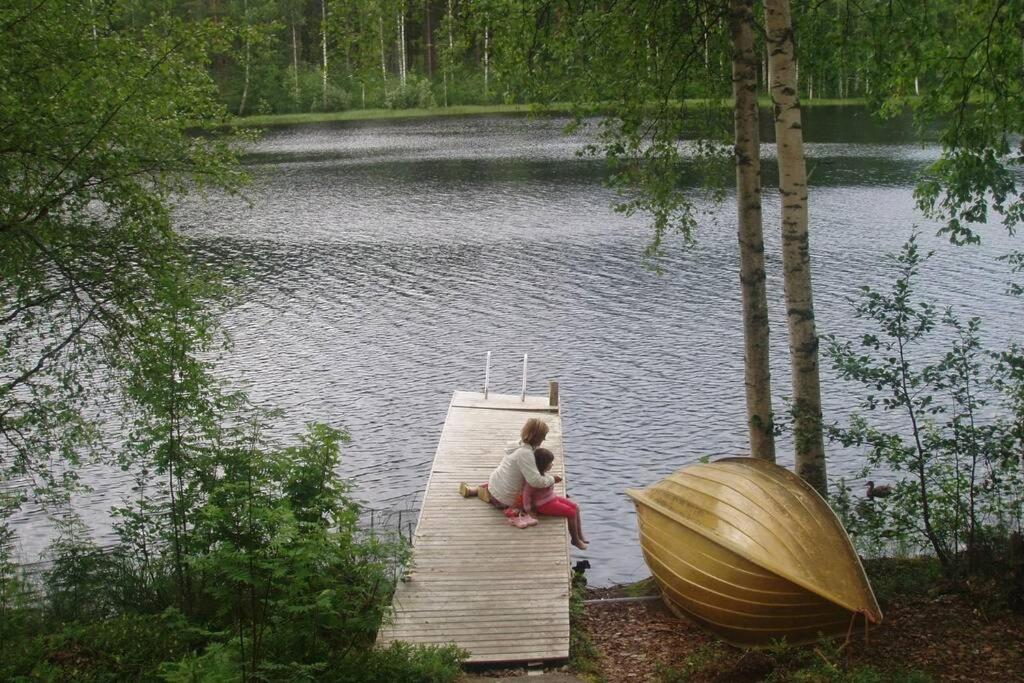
530, 521
518, 521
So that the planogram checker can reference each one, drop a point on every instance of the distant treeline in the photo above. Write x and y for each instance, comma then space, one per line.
286, 56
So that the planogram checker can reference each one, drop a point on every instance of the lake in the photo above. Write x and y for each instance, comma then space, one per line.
380, 262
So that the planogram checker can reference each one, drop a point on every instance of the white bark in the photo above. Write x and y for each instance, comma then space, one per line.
295, 61
451, 52
383, 56
757, 374
245, 82
487, 58
796, 263
401, 45
323, 43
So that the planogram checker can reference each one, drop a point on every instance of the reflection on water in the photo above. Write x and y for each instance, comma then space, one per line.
381, 261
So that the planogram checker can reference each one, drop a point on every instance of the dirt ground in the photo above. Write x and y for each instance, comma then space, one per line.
950, 637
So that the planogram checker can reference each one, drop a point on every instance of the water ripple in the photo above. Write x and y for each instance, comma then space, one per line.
381, 261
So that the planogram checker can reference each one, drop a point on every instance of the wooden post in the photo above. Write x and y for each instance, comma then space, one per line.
487, 374
523, 396
552, 393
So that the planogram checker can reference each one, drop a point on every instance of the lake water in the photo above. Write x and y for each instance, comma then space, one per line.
381, 261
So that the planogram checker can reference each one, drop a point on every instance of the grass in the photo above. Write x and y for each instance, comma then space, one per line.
270, 120
260, 121
583, 655
893, 577
641, 588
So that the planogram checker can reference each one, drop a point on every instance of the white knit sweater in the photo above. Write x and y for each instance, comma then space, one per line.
517, 468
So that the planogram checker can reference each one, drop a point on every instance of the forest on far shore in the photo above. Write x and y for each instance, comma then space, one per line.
292, 56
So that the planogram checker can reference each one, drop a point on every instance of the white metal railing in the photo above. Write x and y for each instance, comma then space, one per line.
552, 384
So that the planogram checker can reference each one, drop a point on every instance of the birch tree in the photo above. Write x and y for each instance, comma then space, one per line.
448, 53
796, 258
595, 57
400, 40
757, 372
323, 45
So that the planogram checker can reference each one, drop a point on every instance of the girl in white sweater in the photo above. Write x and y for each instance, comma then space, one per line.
517, 468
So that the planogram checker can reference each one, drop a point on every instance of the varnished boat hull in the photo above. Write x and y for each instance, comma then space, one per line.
719, 542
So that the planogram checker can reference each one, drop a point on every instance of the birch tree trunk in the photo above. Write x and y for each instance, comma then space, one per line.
430, 42
383, 56
400, 23
757, 375
295, 61
245, 83
451, 53
487, 57
323, 44
803, 339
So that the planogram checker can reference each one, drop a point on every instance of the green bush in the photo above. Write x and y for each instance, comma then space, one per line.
895, 577
583, 655
79, 580
129, 647
399, 663
414, 93
217, 664
959, 488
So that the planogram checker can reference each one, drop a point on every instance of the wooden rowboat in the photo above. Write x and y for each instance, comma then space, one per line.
753, 553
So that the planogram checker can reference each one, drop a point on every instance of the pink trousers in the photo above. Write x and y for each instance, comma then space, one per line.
559, 507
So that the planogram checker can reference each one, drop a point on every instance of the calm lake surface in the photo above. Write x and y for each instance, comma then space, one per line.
381, 261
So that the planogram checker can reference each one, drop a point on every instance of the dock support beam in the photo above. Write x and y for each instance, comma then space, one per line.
552, 393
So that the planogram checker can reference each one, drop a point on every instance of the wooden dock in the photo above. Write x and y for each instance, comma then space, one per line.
499, 592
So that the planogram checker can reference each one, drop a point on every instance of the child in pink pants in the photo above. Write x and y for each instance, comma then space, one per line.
546, 502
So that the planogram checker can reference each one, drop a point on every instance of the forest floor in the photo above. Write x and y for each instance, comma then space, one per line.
931, 632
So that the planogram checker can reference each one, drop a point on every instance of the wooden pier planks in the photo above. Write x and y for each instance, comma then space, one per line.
499, 592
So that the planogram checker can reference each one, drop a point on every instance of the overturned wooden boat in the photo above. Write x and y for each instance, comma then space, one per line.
752, 552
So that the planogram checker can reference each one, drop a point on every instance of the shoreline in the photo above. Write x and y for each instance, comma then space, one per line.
557, 109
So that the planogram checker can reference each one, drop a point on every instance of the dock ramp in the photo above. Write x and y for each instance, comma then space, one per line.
499, 592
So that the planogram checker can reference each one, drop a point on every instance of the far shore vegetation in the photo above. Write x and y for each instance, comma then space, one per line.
557, 108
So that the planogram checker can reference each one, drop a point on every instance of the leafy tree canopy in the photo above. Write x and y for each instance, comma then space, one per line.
657, 73
95, 136
960, 66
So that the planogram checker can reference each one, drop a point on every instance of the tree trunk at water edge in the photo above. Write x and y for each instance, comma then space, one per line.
757, 375
796, 262
323, 44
